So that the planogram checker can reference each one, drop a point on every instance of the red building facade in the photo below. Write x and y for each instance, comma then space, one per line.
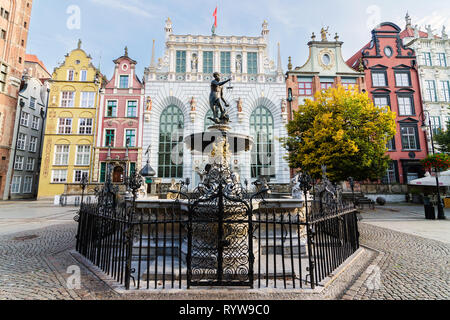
392, 80
120, 123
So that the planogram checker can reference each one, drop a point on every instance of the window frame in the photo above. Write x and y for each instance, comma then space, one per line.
123, 76
429, 90
67, 102
61, 180
379, 72
30, 189
61, 157
408, 74
82, 154
62, 128
225, 62
208, 68
33, 144
180, 61
252, 69
416, 136
411, 99
108, 135
18, 165
135, 107
134, 144
21, 143
14, 191
85, 126
115, 107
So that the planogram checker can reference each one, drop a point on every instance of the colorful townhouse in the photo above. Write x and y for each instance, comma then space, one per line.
71, 124
120, 123
392, 79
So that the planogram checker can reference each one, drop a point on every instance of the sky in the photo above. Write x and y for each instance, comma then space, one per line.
107, 26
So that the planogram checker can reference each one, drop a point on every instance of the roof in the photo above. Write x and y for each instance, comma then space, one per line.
33, 58
358, 55
409, 33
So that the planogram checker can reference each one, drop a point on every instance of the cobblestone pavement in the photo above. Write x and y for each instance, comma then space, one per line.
33, 265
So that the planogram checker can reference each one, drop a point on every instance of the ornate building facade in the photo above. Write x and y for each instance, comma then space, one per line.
14, 25
120, 122
177, 92
325, 68
392, 80
71, 122
433, 53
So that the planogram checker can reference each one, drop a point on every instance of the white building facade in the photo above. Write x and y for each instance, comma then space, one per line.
433, 53
177, 89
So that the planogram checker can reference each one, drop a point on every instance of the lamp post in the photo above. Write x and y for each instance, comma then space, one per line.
424, 127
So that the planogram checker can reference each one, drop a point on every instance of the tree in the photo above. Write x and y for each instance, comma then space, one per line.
442, 139
343, 130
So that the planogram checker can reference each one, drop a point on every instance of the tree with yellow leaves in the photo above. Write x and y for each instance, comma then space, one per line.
343, 130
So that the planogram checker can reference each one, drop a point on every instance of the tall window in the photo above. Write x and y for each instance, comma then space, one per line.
30, 164
32, 103
436, 124
381, 101
62, 155
83, 155
442, 59
111, 110
79, 174
67, 99
123, 82
35, 123
208, 121
427, 59
390, 176
262, 131
181, 62
405, 106
348, 82
33, 144
305, 86
3, 74
326, 85
21, 141
445, 90
402, 79
59, 176
252, 62
103, 172
24, 119
379, 79
208, 62
430, 89
409, 138
18, 163
85, 126
27, 184
87, 99
65, 126
70, 74
130, 135
170, 162
83, 75
225, 62
15, 184
109, 141
132, 109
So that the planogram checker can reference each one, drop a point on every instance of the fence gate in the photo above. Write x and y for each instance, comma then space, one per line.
220, 251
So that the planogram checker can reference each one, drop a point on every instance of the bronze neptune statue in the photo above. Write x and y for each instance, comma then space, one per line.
215, 101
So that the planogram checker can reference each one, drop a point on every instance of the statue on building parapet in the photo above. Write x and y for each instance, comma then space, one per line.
416, 31
429, 31
215, 101
324, 33
444, 34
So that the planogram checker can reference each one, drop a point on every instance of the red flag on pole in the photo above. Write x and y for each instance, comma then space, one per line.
213, 29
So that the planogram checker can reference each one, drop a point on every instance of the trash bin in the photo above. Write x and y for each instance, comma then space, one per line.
447, 202
429, 209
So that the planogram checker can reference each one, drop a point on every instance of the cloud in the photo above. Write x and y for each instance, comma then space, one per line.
135, 7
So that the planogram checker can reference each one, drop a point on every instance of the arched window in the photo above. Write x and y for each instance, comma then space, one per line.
262, 131
208, 121
170, 161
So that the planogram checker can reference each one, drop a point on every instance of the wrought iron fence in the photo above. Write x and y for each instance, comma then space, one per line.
218, 235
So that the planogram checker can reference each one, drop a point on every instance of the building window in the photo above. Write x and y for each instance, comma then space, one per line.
27, 184
123, 84
18, 163
347, 83
409, 138
208, 62
111, 110
83, 75
381, 101
79, 174
35, 123
225, 62
30, 164
15, 185
132, 168
70, 74
442, 59
405, 106
305, 86
252, 62
326, 85
402, 79
3, 34
67, 99
170, 161
32, 103
262, 131
181, 62
87, 100
62, 155
21, 141
132, 109
83, 156
130, 137
59, 176
436, 124
85, 126
430, 89
102, 172
379, 79
3, 73
33, 144
24, 118
391, 145
445, 90
110, 134
65, 126
427, 59
390, 176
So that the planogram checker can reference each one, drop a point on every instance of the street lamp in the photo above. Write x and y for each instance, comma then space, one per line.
424, 128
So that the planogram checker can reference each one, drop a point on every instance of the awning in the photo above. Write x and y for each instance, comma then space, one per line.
429, 180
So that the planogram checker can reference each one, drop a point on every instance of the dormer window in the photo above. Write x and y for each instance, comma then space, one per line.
123, 84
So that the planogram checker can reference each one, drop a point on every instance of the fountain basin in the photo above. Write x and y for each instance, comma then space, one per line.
203, 141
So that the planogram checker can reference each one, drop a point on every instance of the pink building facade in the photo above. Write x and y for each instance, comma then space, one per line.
120, 123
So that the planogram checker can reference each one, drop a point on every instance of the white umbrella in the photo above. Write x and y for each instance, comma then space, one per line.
428, 180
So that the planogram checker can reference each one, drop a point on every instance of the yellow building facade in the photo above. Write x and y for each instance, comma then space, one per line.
71, 124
